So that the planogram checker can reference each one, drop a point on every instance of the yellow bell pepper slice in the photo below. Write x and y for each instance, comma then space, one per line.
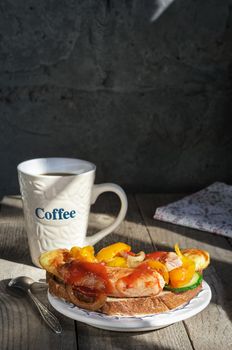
83, 254
108, 253
185, 260
178, 252
161, 268
118, 261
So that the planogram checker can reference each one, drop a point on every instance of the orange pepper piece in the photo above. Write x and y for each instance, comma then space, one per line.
183, 274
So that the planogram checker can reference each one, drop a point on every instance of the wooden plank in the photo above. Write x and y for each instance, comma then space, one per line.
212, 328
21, 327
133, 232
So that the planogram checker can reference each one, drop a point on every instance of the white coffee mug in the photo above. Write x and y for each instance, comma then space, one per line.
57, 194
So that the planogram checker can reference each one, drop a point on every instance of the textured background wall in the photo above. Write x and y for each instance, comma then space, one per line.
147, 99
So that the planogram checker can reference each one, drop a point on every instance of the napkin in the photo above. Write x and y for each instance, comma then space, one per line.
208, 210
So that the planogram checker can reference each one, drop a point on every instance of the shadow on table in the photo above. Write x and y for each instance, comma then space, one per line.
124, 340
23, 327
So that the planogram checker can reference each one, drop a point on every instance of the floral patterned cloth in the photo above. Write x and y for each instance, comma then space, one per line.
208, 210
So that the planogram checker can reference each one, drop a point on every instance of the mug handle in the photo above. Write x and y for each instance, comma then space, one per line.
99, 189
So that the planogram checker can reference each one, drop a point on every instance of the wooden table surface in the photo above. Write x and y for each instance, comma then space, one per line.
22, 328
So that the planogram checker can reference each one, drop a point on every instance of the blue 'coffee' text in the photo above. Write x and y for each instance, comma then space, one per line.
55, 214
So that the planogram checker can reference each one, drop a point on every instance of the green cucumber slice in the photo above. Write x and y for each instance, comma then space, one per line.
195, 282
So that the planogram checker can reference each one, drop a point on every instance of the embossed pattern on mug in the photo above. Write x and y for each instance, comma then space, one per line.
53, 234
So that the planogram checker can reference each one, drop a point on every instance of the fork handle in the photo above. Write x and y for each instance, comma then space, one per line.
47, 316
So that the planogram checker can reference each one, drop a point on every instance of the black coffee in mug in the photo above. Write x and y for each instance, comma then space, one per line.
57, 174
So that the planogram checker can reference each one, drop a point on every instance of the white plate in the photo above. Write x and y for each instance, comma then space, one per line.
134, 324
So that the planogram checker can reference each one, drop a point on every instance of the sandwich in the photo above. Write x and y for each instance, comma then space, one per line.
117, 281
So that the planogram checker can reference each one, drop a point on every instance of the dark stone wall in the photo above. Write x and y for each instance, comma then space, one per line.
141, 90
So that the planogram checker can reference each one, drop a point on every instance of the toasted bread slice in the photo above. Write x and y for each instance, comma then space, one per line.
139, 306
